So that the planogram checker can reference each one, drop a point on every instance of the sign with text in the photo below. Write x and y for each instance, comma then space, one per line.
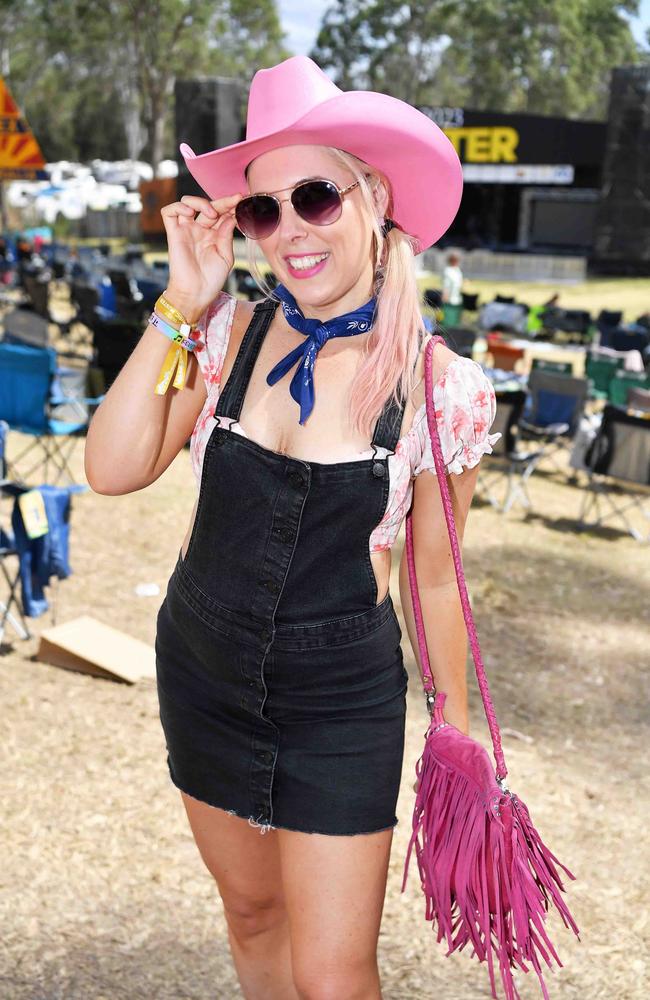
487, 137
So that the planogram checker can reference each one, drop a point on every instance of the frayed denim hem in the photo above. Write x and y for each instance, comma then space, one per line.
266, 827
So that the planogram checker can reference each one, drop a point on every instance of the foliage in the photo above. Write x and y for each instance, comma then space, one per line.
96, 80
538, 56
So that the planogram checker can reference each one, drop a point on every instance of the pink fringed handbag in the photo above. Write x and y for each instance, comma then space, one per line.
487, 877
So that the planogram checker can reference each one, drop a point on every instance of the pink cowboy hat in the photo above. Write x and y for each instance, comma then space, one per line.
295, 103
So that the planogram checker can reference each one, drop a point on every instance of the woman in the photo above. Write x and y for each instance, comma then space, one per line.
280, 674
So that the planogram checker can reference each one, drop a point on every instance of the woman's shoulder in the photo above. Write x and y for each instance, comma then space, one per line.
442, 359
464, 404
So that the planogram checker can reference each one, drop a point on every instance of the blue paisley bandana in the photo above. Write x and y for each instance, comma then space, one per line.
316, 334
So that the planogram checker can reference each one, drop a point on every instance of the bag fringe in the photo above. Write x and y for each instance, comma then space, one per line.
488, 880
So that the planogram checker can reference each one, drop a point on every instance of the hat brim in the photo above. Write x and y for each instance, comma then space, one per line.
415, 155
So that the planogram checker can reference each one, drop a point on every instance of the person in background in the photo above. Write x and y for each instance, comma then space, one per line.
452, 296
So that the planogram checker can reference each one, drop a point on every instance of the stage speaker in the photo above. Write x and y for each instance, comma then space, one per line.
622, 240
209, 114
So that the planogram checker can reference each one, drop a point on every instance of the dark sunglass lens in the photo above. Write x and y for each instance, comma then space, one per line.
257, 217
317, 202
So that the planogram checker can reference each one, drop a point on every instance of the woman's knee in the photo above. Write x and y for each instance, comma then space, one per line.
354, 981
249, 917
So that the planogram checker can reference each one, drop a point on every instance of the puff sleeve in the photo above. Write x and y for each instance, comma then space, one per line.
212, 343
465, 408
214, 328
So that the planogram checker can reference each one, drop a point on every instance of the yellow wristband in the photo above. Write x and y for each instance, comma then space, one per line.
173, 370
169, 311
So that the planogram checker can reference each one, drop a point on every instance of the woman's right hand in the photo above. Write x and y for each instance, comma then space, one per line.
201, 254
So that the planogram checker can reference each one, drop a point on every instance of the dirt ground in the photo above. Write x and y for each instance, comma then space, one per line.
102, 892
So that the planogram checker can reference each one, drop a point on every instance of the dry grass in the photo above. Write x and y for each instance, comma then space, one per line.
102, 893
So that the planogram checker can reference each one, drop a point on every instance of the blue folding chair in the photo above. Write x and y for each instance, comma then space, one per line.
552, 413
30, 394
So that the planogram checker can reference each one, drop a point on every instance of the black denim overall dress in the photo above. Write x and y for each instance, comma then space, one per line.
281, 681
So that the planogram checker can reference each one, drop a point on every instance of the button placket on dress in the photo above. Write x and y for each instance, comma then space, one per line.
273, 573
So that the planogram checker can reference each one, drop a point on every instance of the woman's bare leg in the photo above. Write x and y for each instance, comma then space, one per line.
246, 867
334, 889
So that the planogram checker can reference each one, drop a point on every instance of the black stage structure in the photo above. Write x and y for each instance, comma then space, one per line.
533, 183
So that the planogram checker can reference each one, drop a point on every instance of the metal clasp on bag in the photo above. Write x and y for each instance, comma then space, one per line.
431, 699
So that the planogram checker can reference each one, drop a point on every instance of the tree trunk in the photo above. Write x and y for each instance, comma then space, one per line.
156, 124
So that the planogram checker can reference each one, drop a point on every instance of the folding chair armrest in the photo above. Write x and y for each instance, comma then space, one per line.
553, 430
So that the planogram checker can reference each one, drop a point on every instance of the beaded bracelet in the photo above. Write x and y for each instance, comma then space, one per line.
169, 331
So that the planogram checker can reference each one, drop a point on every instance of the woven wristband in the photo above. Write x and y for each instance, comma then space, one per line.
167, 311
164, 306
175, 335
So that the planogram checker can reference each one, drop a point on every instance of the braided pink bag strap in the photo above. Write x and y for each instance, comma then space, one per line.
427, 678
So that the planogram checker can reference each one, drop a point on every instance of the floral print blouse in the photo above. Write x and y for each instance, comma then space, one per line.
465, 408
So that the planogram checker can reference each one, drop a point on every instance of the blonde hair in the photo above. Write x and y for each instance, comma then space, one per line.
391, 350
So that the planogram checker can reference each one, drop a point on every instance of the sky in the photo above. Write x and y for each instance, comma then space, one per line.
301, 21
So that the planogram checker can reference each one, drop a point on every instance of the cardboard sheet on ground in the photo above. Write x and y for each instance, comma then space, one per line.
89, 646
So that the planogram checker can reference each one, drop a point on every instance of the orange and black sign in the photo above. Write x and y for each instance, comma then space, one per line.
20, 154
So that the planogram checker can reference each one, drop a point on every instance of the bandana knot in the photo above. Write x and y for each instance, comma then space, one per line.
316, 335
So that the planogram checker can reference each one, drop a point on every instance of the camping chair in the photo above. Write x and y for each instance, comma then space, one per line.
608, 320
8, 551
129, 302
86, 299
113, 342
37, 287
506, 460
563, 367
575, 322
29, 398
623, 382
600, 370
553, 410
27, 327
470, 302
620, 339
618, 457
639, 399
505, 356
432, 298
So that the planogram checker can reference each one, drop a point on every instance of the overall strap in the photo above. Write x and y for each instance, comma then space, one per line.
389, 424
231, 399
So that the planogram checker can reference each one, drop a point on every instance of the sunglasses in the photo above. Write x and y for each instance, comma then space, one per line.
318, 202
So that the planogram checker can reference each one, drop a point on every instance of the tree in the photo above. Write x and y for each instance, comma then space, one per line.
541, 56
94, 75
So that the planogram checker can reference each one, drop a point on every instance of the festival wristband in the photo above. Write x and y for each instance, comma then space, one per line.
169, 331
173, 370
165, 308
